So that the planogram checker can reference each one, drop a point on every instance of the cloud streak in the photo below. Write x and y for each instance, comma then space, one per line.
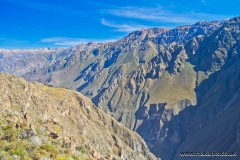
161, 14
64, 41
123, 27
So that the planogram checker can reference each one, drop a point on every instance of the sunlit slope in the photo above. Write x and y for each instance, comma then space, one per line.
63, 120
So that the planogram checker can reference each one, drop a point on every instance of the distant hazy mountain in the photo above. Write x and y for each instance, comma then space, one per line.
178, 88
20, 62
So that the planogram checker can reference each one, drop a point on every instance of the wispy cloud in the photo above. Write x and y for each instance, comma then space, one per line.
161, 14
156, 14
123, 27
63, 41
203, 1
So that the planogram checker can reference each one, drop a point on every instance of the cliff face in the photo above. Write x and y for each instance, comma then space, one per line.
214, 125
123, 76
54, 122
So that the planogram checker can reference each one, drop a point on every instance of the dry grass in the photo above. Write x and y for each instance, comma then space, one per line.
173, 88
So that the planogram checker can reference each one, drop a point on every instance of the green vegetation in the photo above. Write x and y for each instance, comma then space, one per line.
82, 149
15, 145
174, 88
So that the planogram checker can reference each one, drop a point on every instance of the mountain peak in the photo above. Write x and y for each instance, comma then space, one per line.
235, 19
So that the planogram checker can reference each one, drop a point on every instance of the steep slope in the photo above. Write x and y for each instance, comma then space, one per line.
108, 74
214, 126
56, 123
212, 123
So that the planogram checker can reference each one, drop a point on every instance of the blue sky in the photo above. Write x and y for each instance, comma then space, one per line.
60, 23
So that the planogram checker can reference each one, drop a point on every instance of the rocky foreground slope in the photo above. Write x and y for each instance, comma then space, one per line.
41, 122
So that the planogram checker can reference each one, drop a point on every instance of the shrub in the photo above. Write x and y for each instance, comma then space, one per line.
53, 152
82, 149
18, 150
63, 157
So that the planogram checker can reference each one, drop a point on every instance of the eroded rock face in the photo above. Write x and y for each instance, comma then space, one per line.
69, 118
120, 76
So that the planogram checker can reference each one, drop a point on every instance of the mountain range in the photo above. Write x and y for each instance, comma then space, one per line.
178, 88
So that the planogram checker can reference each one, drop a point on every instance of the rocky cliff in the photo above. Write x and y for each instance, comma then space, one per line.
38, 121
123, 76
